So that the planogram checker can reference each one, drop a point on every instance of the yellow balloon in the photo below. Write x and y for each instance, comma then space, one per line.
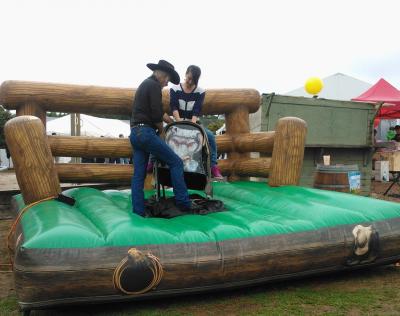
313, 85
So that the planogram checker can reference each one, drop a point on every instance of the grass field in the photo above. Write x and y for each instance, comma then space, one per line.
367, 292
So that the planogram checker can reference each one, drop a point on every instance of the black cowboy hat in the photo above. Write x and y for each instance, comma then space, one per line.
168, 68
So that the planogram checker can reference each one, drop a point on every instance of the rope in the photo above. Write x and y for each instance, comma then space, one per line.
155, 267
14, 226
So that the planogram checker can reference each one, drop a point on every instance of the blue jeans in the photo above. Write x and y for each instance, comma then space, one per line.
145, 141
213, 146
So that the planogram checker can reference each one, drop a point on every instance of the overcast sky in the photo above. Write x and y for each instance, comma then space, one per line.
273, 46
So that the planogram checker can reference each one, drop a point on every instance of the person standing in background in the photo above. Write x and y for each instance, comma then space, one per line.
397, 135
123, 160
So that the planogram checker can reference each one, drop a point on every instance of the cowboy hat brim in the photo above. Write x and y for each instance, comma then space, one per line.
174, 76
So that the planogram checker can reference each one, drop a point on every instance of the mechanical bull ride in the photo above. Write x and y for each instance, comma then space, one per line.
85, 245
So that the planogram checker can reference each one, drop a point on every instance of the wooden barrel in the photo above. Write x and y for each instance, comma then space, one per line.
334, 177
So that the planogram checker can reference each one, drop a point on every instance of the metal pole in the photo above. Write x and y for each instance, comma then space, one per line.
73, 133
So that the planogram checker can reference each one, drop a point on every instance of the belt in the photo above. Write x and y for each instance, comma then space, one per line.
142, 125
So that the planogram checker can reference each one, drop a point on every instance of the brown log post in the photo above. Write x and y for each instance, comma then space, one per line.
32, 108
288, 152
33, 162
237, 124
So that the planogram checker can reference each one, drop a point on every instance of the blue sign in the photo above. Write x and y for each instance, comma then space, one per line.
354, 181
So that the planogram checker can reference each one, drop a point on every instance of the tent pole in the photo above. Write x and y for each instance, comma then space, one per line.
75, 131
378, 107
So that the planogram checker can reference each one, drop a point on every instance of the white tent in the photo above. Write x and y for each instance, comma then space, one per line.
336, 87
90, 126
221, 130
5, 163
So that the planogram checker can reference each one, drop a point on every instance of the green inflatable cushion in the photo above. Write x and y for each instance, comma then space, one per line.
253, 209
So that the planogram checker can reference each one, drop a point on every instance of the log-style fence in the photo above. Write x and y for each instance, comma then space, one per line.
32, 151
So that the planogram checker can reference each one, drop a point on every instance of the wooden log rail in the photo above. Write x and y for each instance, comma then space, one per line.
122, 174
80, 146
75, 146
106, 100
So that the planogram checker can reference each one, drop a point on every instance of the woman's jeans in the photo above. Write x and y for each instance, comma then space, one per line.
145, 141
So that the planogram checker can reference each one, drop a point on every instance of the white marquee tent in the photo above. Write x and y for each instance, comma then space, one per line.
90, 126
336, 87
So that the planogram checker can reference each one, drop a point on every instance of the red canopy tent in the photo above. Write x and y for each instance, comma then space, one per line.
384, 92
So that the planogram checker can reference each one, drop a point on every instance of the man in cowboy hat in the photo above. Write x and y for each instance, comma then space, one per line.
146, 121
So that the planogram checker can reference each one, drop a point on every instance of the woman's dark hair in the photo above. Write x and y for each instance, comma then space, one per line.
196, 72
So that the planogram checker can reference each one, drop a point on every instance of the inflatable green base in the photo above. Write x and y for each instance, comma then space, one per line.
100, 251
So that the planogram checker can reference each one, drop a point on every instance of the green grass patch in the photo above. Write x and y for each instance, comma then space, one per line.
8, 306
